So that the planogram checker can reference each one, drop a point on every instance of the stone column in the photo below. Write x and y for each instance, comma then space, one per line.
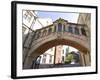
82, 61
87, 58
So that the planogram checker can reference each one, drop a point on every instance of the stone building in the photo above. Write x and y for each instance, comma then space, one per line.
60, 32
85, 18
48, 56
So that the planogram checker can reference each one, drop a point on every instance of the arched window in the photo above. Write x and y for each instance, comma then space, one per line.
76, 30
54, 28
70, 29
83, 31
64, 28
59, 27
50, 30
44, 33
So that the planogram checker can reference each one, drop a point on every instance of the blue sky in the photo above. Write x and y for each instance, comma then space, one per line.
71, 17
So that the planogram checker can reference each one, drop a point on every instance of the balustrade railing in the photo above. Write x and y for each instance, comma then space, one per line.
60, 28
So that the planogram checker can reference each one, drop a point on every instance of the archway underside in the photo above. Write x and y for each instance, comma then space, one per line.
41, 49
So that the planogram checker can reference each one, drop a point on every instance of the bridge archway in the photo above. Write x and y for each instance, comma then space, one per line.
43, 47
59, 34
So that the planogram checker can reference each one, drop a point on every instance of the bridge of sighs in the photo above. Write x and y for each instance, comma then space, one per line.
61, 32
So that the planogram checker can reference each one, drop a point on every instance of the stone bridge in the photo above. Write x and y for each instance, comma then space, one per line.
61, 32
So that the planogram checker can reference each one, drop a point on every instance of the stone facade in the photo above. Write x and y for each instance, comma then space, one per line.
85, 18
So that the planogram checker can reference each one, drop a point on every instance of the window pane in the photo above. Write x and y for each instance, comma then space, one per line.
44, 32
65, 28
70, 29
83, 31
25, 15
54, 28
76, 30
50, 60
59, 27
62, 58
50, 30
28, 16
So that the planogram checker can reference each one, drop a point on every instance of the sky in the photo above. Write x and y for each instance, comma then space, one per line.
71, 17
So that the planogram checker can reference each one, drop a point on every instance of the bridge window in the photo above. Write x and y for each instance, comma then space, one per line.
44, 59
27, 16
50, 30
63, 51
76, 30
59, 27
54, 28
70, 29
62, 58
83, 31
65, 28
44, 32
50, 60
